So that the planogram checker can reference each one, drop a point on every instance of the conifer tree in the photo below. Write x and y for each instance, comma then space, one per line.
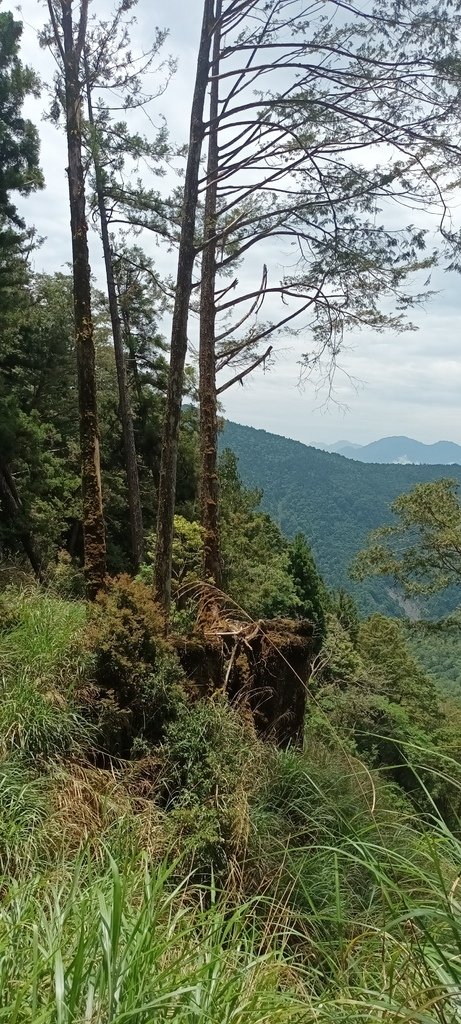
111, 64
69, 39
20, 173
283, 167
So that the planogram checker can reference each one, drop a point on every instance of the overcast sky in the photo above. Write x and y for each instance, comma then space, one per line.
391, 384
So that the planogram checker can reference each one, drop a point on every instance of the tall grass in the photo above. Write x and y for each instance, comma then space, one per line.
370, 891
41, 628
340, 904
111, 943
40, 669
129, 946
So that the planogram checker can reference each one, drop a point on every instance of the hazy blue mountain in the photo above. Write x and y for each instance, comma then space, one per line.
339, 448
333, 500
402, 450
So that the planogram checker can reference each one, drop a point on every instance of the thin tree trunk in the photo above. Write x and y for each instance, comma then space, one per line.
186, 257
13, 507
93, 519
126, 415
73, 537
133, 363
207, 352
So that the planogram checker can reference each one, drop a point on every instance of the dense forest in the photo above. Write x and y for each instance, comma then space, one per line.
336, 503
228, 791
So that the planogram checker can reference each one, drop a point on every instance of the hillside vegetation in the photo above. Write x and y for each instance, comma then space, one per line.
335, 502
210, 876
437, 648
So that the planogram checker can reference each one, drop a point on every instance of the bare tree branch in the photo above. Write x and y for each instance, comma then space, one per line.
239, 377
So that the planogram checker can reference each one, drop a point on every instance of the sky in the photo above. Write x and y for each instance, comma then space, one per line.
408, 384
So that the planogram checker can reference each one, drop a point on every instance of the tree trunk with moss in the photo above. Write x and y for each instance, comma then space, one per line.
93, 519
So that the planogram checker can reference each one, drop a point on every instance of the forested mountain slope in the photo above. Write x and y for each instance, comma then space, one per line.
333, 500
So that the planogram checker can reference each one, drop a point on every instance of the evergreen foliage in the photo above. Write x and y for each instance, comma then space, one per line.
256, 558
422, 550
381, 645
39, 421
310, 589
19, 141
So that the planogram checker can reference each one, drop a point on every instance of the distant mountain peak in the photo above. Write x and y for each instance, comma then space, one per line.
398, 450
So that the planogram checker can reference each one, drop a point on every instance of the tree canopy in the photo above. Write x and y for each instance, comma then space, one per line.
421, 551
19, 140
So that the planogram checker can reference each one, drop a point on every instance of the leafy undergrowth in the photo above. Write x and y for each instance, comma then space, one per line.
205, 877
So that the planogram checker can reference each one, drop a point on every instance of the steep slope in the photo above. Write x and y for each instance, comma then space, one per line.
333, 500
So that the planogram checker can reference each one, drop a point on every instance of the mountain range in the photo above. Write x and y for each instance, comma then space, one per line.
335, 502
399, 450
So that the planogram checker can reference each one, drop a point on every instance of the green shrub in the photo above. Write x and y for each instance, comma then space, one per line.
375, 727
131, 722
255, 555
382, 645
161, 689
211, 761
138, 673
310, 588
207, 750
342, 662
199, 836
187, 570
187, 555
65, 577
342, 605
125, 634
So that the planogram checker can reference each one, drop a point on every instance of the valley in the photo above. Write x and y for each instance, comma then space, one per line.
335, 502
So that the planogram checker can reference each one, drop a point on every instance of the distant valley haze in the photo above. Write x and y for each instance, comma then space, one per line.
398, 451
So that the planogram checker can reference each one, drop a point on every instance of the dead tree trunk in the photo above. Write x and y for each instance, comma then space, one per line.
207, 351
70, 51
126, 415
186, 257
